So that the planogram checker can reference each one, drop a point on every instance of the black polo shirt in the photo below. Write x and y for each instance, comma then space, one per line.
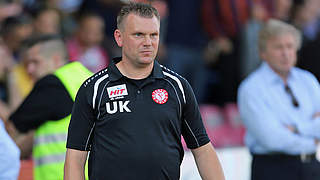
133, 130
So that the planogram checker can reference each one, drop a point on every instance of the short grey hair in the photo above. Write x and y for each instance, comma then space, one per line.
140, 9
50, 44
273, 28
53, 47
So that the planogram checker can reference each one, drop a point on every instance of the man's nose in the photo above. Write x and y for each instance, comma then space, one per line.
147, 41
31, 68
285, 52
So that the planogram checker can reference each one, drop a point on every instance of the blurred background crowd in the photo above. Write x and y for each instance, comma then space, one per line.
213, 43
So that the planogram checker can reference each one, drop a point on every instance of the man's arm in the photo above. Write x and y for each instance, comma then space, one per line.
75, 164
263, 123
34, 111
208, 163
4, 111
309, 128
23, 140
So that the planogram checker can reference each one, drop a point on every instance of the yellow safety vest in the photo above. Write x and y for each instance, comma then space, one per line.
50, 138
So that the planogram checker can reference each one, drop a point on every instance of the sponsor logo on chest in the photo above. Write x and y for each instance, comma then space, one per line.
117, 91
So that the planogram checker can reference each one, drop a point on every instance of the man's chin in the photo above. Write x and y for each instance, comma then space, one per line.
146, 60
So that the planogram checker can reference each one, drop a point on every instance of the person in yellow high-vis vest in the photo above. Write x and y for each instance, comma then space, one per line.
46, 110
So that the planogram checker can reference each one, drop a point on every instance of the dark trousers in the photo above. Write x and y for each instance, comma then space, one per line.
267, 167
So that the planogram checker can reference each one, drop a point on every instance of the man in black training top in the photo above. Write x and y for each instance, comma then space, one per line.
131, 115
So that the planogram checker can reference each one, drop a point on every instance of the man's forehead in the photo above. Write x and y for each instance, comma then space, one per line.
34, 49
140, 21
32, 54
281, 38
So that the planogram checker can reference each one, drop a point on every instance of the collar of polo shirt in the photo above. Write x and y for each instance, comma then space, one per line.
115, 74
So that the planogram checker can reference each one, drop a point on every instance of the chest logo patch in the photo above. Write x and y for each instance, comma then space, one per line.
115, 91
160, 96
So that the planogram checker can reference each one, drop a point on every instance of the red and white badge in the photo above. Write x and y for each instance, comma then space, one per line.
160, 96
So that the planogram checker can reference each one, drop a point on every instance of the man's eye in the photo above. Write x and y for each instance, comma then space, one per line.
138, 34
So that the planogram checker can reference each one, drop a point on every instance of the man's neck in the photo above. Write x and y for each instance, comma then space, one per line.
284, 77
134, 72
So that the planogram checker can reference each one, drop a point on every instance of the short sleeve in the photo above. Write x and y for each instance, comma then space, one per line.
81, 125
48, 101
193, 130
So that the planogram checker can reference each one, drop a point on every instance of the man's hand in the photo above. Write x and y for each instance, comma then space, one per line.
293, 129
12, 131
4, 111
316, 115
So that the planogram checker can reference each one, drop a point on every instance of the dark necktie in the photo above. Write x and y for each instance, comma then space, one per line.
294, 99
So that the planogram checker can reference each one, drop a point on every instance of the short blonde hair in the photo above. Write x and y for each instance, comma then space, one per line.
273, 28
140, 9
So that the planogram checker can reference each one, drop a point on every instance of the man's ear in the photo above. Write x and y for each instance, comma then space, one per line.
118, 37
262, 55
58, 61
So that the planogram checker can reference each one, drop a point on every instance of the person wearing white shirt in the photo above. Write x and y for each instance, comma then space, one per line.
279, 105
9, 156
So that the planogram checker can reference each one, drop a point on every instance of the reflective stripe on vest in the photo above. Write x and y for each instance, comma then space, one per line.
46, 139
50, 159
50, 138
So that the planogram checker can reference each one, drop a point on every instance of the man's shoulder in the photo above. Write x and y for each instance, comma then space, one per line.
48, 80
305, 76
252, 80
168, 73
96, 78
302, 72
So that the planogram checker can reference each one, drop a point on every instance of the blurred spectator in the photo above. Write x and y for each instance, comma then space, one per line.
185, 42
107, 9
9, 156
14, 30
249, 54
19, 82
6, 63
281, 9
39, 59
277, 9
66, 6
9, 152
305, 16
85, 47
65, 10
47, 21
223, 21
261, 11
280, 107
13, 82
8, 9
46, 110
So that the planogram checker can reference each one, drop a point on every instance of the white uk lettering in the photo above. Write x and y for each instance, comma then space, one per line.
115, 107
123, 107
